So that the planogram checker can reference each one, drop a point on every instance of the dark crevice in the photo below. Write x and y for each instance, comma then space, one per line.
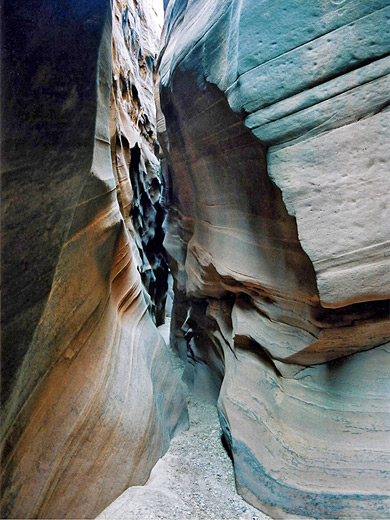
148, 214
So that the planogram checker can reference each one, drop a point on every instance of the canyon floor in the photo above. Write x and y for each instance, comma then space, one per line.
195, 478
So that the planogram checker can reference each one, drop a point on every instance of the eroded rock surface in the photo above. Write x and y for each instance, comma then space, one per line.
276, 131
134, 147
90, 399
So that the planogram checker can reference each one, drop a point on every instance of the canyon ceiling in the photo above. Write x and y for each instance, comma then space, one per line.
268, 199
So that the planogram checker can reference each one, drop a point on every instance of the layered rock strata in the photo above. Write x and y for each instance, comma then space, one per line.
278, 129
90, 399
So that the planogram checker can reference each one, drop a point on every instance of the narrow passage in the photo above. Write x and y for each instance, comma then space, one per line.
195, 478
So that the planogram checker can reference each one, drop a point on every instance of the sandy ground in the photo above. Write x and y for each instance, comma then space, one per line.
195, 478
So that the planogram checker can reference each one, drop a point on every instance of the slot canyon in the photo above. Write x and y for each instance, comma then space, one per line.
195, 249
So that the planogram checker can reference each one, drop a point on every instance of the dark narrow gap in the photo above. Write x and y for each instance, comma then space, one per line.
148, 212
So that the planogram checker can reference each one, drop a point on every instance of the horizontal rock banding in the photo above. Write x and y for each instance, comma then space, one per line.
277, 148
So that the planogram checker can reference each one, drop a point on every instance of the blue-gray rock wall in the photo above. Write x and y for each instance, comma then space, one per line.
276, 116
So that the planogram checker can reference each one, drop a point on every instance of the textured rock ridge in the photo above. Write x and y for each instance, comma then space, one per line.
90, 399
134, 147
276, 131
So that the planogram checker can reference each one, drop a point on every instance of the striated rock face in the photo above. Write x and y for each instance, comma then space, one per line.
278, 136
90, 400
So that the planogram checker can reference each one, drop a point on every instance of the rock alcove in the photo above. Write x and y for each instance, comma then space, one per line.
239, 166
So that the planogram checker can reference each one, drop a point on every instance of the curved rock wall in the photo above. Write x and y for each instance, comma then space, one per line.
278, 239
90, 399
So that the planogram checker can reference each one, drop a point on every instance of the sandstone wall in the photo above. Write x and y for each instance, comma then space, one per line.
276, 116
90, 399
